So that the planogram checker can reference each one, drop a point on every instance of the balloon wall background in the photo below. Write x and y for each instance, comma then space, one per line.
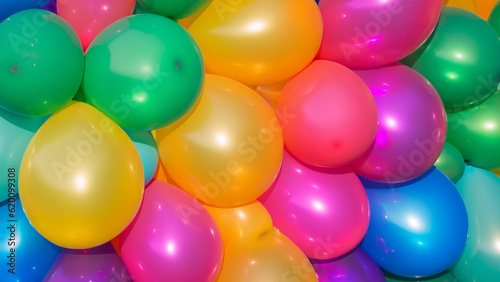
250, 140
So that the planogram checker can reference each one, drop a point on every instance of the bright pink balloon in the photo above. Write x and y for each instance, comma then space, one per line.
323, 211
90, 17
173, 238
411, 125
328, 115
372, 33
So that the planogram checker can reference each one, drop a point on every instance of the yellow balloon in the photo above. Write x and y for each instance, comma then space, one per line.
229, 151
81, 179
187, 22
469, 5
258, 42
271, 93
254, 251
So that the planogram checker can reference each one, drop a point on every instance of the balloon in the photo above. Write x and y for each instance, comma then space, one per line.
331, 106
323, 211
442, 277
254, 250
258, 42
469, 5
51, 6
460, 59
148, 151
144, 72
26, 255
271, 93
229, 151
187, 22
480, 261
485, 6
174, 9
97, 264
9, 7
411, 125
372, 33
15, 134
417, 228
173, 237
41, 63
476, 133
451, 162
355, 266
494, 18
90, 17
83, 173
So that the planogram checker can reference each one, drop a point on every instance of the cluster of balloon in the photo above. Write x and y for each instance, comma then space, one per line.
250, 140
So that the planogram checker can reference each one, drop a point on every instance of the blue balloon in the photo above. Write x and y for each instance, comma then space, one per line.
10, 7
417, 228
25, 255
148, 151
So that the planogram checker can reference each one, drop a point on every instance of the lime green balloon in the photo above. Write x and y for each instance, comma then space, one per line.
41, 63
175, 9
476, 133
451, 162
494, 18
460, 59
442, 277
144, 72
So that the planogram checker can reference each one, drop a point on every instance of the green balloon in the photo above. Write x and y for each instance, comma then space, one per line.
41, 63
451, 162
480, 261
174, 9
144, 72
494, 18
445, 276
476, 133
461, 59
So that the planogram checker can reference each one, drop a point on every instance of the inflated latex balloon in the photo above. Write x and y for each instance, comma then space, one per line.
328, 115
442, 277
174, 9
148, 151
271, 93
355, 266
9, 7
229, 150
451, 162
97, 264
51, 6
418, 228
258, 42
494, 18
41, 63
144, 72
173, 237
476, 133
460, 59
26, 255
469, 5
411, 125
88, 18
255, 251
372, 33
15, 134
480, 261
82, 172
323, 211
484, 7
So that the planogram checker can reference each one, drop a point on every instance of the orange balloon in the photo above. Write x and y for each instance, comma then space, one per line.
484, 7
187, 22
469, 5
271, 93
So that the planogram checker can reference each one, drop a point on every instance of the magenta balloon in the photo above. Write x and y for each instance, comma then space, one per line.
411, 125
372, 33
173, 238
323, 211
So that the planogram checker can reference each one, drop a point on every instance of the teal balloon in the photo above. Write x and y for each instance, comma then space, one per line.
494, 18
451, 162
148, 151
15, 134
480, 261
174, 9
460, 59
442, 277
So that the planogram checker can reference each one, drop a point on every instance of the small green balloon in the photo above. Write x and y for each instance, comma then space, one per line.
41, 63
174, 9
476, 133
144, 72
451, 162
480, 261
442, 277
461, 59
494, 18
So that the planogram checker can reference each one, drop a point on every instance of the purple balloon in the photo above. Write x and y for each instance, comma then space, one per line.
51, 6
355, 266
411, 125
97, 264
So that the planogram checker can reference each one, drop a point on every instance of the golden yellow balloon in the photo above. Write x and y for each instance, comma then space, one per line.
81, 179
229, 151
469, 5
258, 42
271, 93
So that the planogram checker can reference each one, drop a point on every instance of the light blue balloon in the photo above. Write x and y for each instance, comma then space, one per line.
148, 151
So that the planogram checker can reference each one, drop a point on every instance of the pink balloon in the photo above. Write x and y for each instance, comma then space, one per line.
372, 33
173, 238
90, 17
323, 211
411, 125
